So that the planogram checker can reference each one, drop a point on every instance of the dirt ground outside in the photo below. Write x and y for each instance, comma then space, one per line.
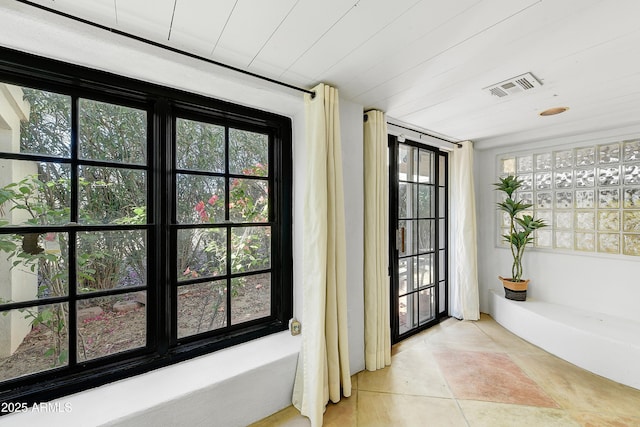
104, 331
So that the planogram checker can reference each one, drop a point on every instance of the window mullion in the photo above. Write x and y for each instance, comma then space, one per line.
164, 229
227, 194
74, 212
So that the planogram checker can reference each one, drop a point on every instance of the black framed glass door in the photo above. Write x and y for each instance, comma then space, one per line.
418, 223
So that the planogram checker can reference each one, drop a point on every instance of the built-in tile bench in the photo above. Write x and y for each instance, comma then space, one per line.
606, 345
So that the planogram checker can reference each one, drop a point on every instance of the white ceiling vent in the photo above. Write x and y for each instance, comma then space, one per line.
514, 85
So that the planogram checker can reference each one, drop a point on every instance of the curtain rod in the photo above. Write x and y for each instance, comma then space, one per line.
426, 134
165, 47
417, 131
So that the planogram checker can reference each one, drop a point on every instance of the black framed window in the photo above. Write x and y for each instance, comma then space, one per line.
224, 222
139, 226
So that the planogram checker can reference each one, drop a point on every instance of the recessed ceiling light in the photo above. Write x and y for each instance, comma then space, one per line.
554, 111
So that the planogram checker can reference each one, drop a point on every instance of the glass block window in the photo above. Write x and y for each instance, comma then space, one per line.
589, 196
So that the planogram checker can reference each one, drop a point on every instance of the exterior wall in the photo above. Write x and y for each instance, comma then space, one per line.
20, 284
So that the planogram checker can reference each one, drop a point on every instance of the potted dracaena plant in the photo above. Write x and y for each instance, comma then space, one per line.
521, 227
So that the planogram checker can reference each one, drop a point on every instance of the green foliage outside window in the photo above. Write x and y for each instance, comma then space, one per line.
117, 195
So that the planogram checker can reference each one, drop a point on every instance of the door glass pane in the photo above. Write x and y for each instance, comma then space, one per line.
199, 146
405, 276
407, 163
403, 200
407, 313
410, 237
202, 307
426, 235
407, 207
248, 153
442, 171
414, 273
426, 201
442, 202
425, 270
426, 305
426, 168
112, 133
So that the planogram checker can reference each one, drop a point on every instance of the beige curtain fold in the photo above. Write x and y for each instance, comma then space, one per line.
465, 302
323, 364
377, 328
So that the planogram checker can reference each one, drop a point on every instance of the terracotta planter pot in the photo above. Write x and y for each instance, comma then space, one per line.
516, 291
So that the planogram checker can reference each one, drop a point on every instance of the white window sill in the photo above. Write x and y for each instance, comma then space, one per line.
144, 394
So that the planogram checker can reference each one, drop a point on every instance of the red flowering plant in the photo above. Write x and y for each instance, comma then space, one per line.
248, 203
206, 211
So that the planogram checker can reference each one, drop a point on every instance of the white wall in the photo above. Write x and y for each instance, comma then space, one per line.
33, 31
353, 169
597, 282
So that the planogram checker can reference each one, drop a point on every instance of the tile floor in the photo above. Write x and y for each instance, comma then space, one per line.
476, 374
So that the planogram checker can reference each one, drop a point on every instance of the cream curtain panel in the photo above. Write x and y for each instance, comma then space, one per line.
377, 329
323, 363
464, 285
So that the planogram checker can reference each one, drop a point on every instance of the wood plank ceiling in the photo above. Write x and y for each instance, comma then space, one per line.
423, 62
